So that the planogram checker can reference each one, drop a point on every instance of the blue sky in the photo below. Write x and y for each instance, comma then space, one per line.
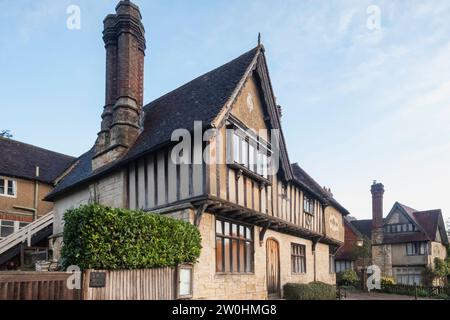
359, 104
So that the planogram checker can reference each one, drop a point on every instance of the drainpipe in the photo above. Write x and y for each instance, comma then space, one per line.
36, 195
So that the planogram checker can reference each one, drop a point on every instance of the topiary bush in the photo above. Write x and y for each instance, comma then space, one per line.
102, 238
312, 291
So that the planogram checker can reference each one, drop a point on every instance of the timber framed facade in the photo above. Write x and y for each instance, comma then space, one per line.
249, 206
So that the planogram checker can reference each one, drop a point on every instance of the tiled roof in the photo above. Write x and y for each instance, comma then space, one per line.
18, 159
199, 100
429, 222
363, 226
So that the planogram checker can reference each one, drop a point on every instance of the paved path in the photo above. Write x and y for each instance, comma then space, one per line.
377, 296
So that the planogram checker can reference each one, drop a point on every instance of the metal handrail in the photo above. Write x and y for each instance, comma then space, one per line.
26, 233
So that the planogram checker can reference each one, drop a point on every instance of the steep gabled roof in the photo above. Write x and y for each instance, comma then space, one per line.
206, 99
432, 222
19, 160
201, 99
429, 223
409, 213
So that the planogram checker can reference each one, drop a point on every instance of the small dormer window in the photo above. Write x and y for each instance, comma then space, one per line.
8, 187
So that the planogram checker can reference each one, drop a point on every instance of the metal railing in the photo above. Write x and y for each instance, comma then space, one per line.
26, 234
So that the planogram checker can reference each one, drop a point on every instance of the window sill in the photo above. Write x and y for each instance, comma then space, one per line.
248, 173
8, 196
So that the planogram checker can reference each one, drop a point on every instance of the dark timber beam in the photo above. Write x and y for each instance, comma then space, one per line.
199, 214
262, 233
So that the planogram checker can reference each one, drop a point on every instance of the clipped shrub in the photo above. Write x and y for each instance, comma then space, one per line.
297, 291
347, 278
98, 237
311, 291
323, 291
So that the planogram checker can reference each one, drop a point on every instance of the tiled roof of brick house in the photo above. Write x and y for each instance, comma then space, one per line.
19, 160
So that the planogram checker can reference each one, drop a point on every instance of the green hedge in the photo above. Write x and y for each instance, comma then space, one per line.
312, 291
97, 237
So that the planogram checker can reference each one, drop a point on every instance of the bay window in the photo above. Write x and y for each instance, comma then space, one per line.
251, 152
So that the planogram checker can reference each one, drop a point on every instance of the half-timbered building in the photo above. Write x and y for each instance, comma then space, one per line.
211, 152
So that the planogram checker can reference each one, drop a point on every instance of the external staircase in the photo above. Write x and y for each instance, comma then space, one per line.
28, 236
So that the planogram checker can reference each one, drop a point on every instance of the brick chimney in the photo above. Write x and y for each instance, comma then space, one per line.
377, 191
125, 45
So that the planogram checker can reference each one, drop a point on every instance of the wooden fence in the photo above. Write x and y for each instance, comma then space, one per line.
145, 284
36, 286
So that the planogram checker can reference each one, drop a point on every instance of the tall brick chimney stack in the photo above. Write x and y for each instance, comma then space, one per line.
377, 190
124, 37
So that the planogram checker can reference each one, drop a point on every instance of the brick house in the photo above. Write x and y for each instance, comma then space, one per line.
263, 221
405, 242
352, 255
27, 175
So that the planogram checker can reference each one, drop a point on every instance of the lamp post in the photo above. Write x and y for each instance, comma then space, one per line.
360, 244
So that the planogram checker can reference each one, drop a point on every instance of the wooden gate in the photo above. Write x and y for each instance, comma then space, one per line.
273, 268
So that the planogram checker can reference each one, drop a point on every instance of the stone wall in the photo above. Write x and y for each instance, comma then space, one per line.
210, 285
382, 257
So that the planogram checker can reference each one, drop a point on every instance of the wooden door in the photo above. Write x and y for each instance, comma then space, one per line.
273, 268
